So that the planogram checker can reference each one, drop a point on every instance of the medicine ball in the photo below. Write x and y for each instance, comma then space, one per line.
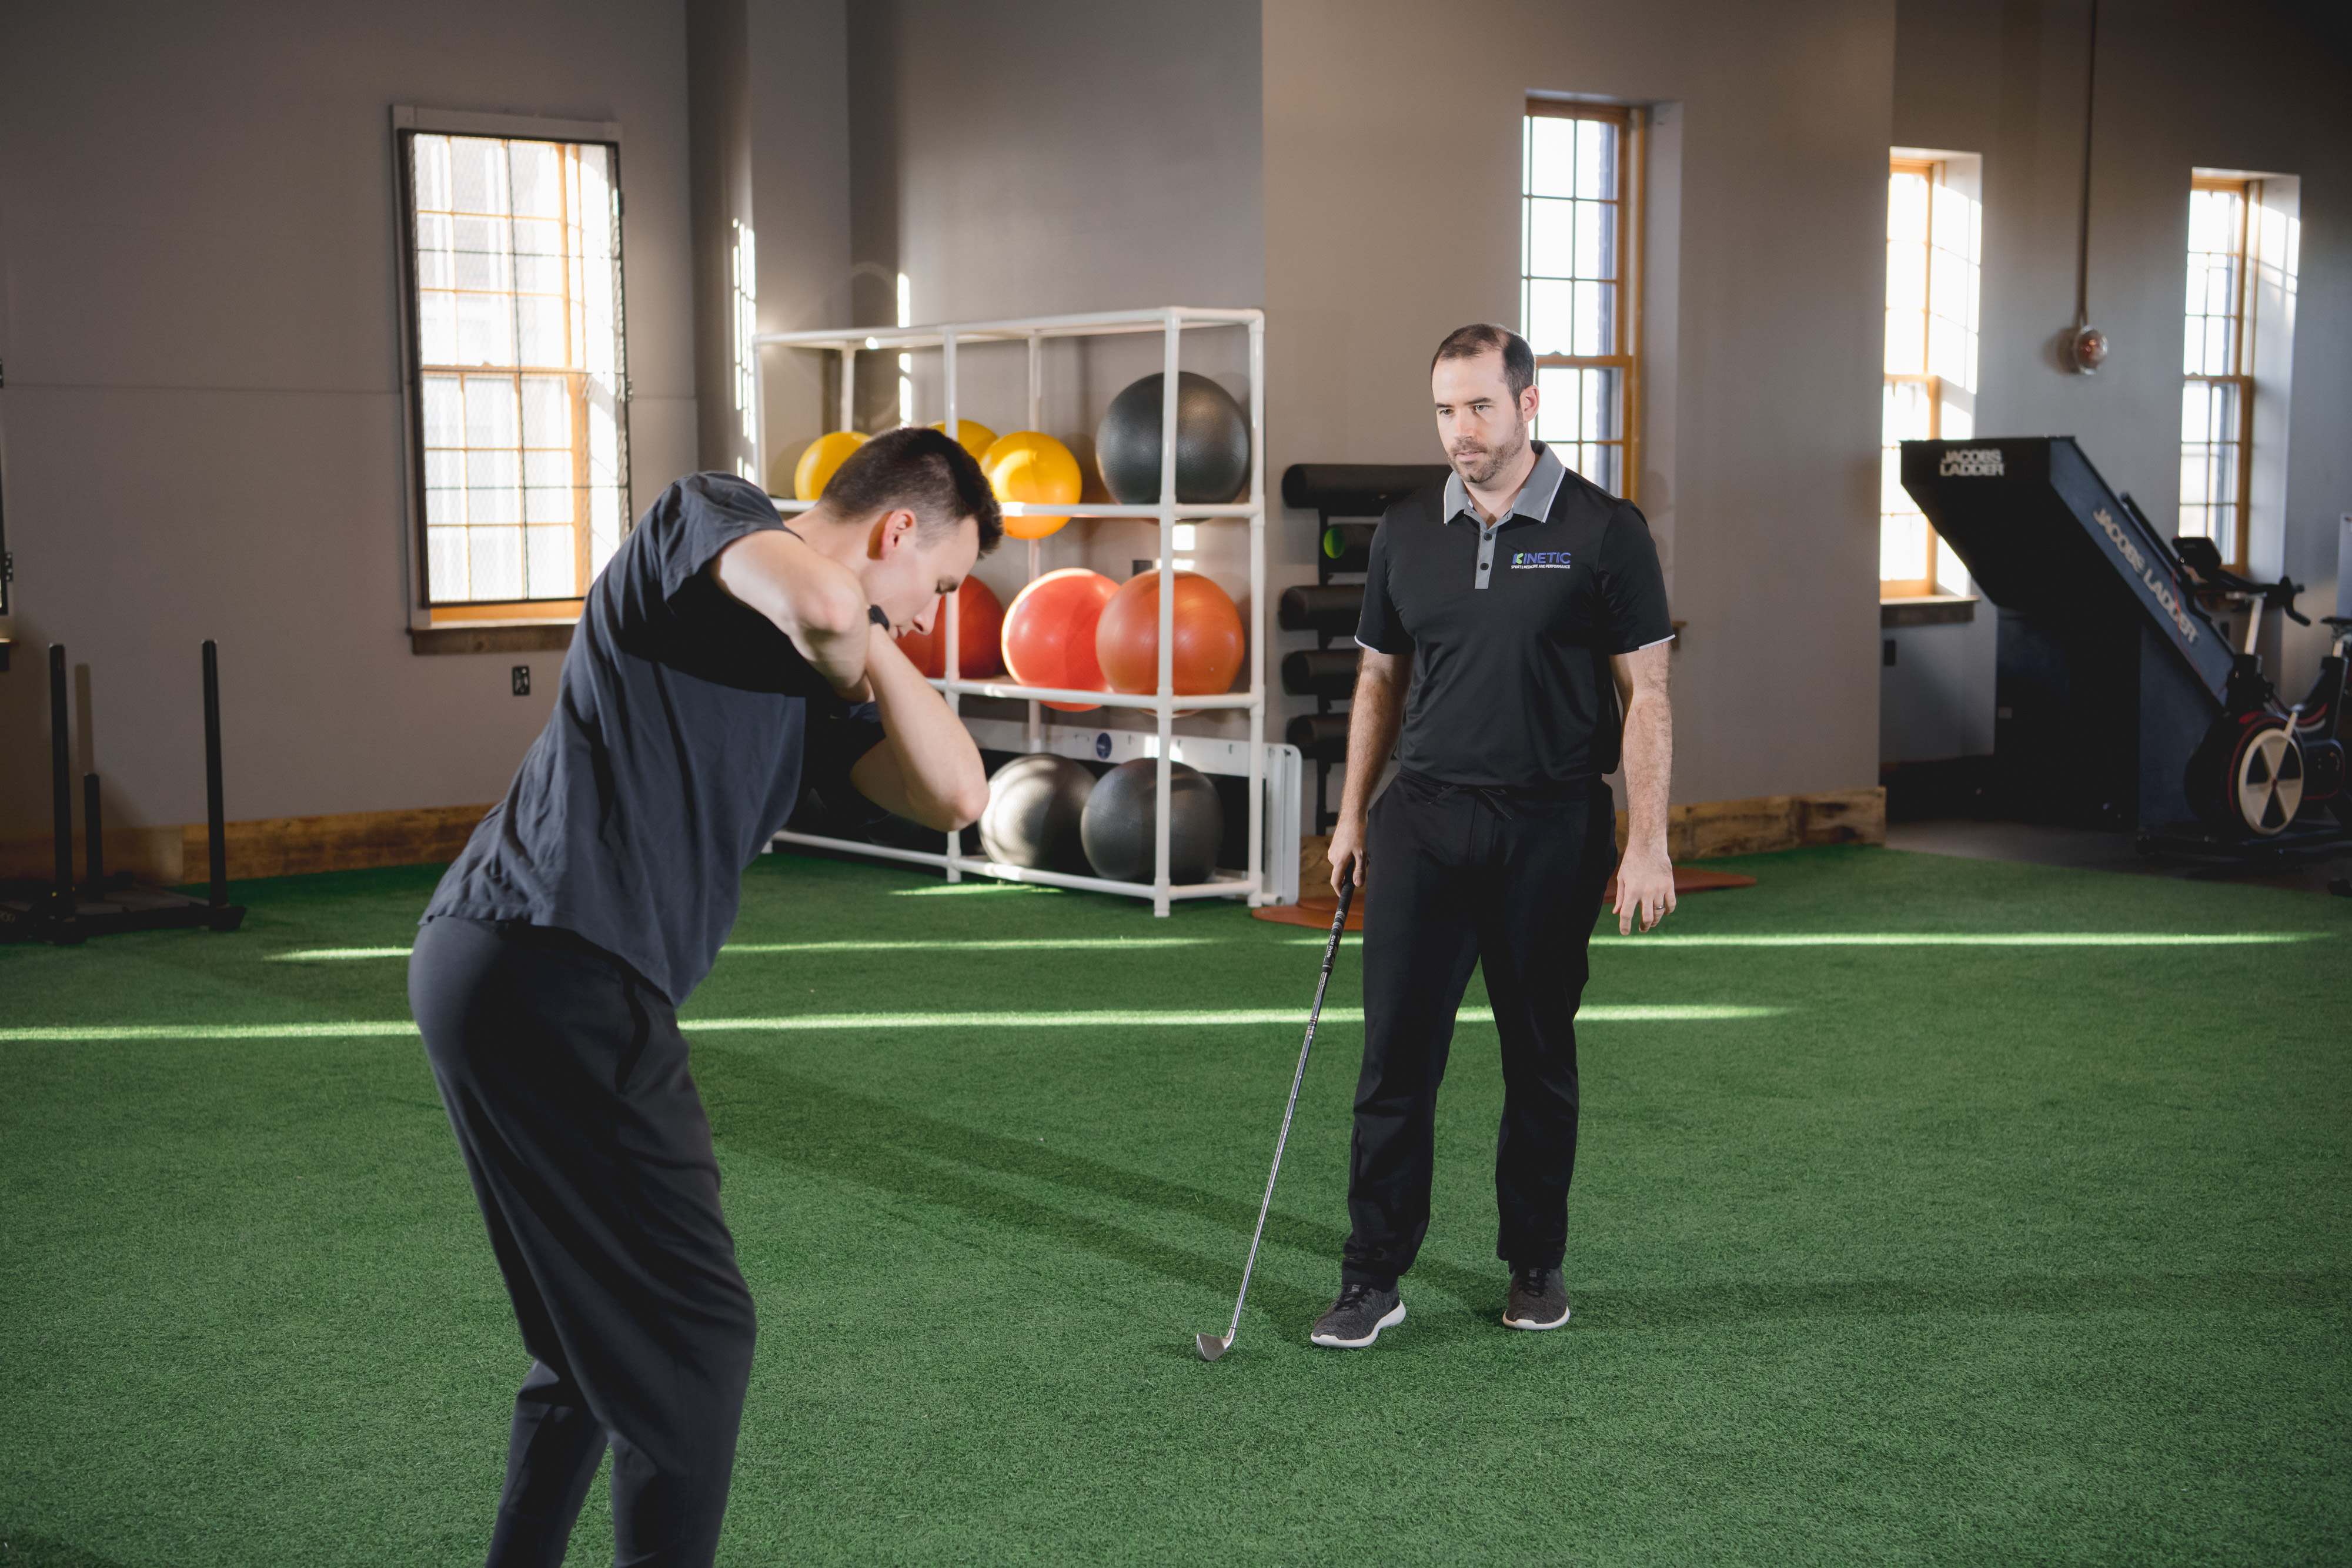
1121, 818
1035, 804
1213, 443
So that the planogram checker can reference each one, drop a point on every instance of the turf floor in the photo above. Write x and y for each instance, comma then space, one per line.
1929, 1210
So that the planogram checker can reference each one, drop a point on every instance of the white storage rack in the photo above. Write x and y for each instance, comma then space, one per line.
1171, 322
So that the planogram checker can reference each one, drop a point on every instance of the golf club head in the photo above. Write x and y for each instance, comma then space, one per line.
1211, 1345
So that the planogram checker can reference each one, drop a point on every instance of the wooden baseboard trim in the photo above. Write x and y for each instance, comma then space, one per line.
1712, 828
269, 846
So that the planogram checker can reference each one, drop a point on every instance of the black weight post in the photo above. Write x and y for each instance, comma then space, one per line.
216, 832
61, 907
93, 837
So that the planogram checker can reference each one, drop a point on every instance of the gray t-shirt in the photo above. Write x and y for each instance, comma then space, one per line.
683, 727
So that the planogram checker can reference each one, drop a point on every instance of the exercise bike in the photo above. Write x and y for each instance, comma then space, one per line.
2263, 764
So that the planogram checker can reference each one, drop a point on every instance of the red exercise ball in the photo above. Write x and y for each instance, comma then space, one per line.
1049, 632
981, 626
1209, 640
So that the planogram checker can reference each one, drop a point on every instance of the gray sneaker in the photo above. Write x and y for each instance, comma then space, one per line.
1539, 1299
1357, 1318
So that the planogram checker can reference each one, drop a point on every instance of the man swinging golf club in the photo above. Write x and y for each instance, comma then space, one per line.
709, 677
1517, 606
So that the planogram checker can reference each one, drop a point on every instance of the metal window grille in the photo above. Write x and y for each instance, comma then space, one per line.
519, 367
2217, 394
1578, 229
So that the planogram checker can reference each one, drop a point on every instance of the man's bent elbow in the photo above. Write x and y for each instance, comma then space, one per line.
966, 807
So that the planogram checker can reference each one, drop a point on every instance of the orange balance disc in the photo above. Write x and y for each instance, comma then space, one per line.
1209, 639
1049, 632
980, 627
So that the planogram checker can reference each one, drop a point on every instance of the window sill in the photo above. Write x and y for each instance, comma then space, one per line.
1927, 610
491, 637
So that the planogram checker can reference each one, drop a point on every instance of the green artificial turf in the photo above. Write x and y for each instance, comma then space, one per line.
2023, 1241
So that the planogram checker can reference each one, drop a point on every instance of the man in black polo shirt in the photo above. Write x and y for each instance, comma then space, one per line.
1518, 603
712, 672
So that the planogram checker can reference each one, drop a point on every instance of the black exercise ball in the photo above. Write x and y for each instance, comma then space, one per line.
1033, 807
1119, 823
1213, 443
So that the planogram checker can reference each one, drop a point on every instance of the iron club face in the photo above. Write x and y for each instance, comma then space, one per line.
1211, 1345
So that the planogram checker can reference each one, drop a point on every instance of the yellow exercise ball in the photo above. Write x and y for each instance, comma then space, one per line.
971, 435
1031, 468
824, 454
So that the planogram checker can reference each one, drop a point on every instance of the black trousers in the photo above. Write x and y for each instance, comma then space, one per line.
1459, 878
565, 1078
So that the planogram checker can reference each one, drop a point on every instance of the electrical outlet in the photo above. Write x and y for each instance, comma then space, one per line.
522, 680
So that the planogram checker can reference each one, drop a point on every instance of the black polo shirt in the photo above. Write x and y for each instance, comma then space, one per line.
1511, 626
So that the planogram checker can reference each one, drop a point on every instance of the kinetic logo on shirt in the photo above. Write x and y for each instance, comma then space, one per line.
1547, 560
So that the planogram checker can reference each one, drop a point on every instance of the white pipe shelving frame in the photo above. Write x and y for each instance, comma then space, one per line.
1171, 322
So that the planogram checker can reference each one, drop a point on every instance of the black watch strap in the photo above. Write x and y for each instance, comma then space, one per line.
874, 613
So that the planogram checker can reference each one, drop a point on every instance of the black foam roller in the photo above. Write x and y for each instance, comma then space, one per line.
1319, 736
1334, 608
1320, 672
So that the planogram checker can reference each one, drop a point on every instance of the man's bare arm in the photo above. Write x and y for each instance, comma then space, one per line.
926, 768
1645, 880
1375, 715
814, 600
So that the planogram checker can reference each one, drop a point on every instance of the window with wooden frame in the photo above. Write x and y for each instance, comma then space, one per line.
2217, 394
518, 377
1580, 233
1932, 267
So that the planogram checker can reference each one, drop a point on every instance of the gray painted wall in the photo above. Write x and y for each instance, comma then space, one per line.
202, 413
2180, 85
1392, 166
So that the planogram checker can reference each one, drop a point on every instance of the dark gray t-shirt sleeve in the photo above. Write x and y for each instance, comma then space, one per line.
1379, 627
1633, 586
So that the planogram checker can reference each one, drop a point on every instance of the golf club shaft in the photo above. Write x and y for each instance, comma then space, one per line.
1315, 1016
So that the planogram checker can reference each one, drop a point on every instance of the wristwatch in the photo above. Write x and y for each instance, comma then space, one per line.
874, 613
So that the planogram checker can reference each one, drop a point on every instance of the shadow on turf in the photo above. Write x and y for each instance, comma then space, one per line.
803, 1121
798, 1121
23, 1549
1738, 1302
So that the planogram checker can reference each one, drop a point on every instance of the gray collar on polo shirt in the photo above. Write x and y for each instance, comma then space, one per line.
1533, 501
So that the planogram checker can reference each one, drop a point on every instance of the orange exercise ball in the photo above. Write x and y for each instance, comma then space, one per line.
1030, 467
1049, 632
1209, 638
980, 625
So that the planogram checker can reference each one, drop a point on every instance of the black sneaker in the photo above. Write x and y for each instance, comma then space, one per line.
1539, 1299
1357, 1318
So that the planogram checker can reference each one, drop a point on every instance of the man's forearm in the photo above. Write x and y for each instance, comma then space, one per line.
939, 766
1374, 716
1649, 770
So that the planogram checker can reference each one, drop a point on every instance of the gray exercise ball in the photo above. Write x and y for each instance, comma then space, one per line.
1033, 807
1121, 818
1213, 443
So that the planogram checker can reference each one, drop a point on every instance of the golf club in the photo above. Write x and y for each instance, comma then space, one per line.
1211, 1345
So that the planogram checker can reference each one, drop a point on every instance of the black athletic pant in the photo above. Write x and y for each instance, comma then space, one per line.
1460, 877
565, 1077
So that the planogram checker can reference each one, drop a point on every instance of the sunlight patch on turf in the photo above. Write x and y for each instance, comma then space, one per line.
944, 945
391, 1028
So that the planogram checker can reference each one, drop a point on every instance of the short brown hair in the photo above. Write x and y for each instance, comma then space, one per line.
1485, 338
924, 472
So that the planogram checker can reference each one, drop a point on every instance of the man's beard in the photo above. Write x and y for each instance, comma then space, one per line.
1482, 469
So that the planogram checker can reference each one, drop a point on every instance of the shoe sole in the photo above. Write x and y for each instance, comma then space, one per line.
1511, 1323
1521, 1322
1396, 1316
